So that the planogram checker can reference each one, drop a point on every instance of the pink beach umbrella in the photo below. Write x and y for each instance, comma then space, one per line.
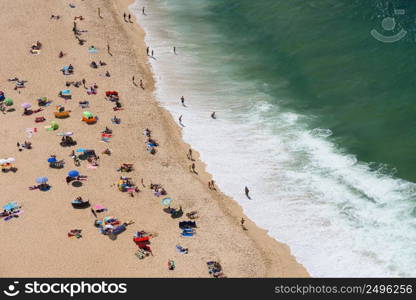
26, 105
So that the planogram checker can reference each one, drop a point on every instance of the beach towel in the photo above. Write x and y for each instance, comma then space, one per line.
89, 166
14, 215
185, 233
119, 229
181, 250
31, 131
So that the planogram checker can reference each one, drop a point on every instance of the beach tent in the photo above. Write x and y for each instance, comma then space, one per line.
73, 173
42, 180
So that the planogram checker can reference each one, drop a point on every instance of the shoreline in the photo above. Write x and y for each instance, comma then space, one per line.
229, 205
249, 253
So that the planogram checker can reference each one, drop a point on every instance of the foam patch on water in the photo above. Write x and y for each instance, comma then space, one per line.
340, 217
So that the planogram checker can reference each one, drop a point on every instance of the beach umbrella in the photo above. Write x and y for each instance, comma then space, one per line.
10, 206
11, 160
8, 102
80, 150
98, 207
26, 105
166, 201
87, 114
3, 161
54, 125
52, 159
73, 173
68, 133
42, 180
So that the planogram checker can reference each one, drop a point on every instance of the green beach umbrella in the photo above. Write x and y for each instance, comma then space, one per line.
87, 114
166, 201
54, 125
8, 102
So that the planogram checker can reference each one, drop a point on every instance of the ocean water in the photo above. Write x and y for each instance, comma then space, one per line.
314, 115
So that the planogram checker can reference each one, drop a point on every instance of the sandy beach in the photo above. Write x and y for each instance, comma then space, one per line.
36, 243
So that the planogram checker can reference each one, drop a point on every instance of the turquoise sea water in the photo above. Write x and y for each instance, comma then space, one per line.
314, 114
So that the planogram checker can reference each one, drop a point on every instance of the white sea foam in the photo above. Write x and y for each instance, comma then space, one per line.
339, 216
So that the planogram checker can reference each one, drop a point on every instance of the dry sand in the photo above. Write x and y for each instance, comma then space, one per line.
36, 243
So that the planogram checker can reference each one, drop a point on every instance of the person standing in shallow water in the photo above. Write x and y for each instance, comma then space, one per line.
213, 115
183, 101
246, 191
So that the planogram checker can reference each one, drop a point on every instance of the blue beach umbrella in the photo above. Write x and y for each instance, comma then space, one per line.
73, 173
42, 180
10, 206
81, 150
166, 201
52, 159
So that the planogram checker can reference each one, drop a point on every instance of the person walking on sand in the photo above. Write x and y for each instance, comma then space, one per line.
141, 84
189, 155
130, 18
133, 79
108, 49
242, 224
211, 185
147, 51
246, 191
213, 115
83, 82
124, 17
192, 169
